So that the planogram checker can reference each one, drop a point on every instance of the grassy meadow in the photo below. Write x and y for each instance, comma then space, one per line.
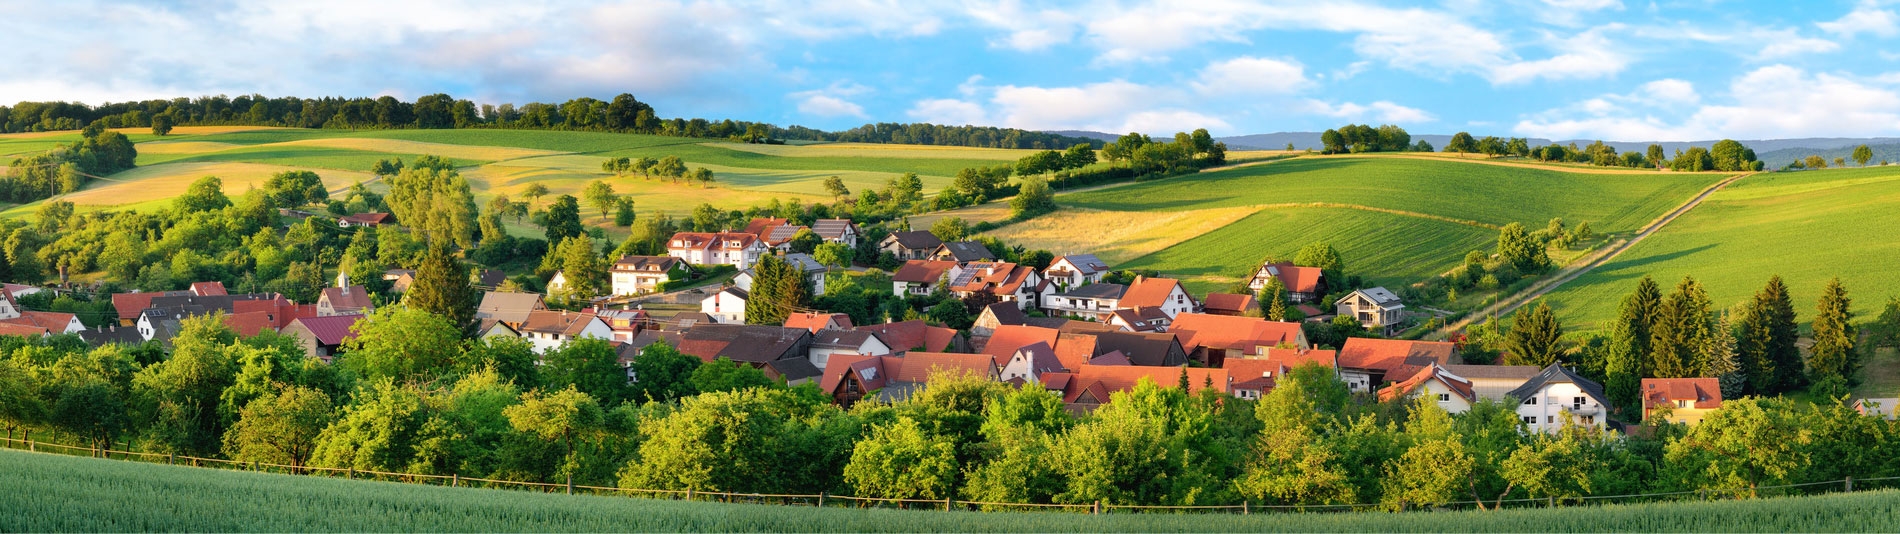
69, 494
1807, 227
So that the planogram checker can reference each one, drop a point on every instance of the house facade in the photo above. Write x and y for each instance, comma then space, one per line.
1557, 397
914, 245
836, 231
1377, 309
1075, 270
1680, 400
1164, 294
635, 275
547, 330
922, 277
1009, 282
737, 249
1303, 284
727, 306
1095, 302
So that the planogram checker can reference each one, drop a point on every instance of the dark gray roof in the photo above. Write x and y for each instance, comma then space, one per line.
1141, 349
189, 305
851, 339
830, 228
686, 320
1384, 297
968, 251
917, 240
1520, 372
1042, 358
750, 343
111, 335
1096, 291
804, 262
1006, 313
794, 369
1557, 374
1086, 263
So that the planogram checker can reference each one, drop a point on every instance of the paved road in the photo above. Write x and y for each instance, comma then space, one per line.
1513, 302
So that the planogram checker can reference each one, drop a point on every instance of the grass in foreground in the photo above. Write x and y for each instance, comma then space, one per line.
59, 493
1805, 226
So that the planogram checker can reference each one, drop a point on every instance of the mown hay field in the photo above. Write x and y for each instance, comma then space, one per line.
60, 493
1115, 236
1807, 227
1488, 194
162, 182
1386, 248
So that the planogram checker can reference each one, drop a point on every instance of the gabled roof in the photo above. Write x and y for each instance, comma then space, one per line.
916, 240
777, 235
1296, 279
249, 324
1227, 302
686, 320
1398, 358
563, 323
206, 289
742, 342
1040, 357
1141, 348
1457, 384
508, 307
490, 278
1379, 295
966, 251
1229, 332
11, 329
913, 368
369, 218
130, 304
758, 225
1101, 381
1084, 263
922, 271
913, 335
1705, 393
281, 310
1099, 290
1143, 319
55, 322
347, 298
1005, 313
712, 240
649, 264
1255, 374
1150, 292
1557, 374
112, 334
1076, 349
831, 228
817, 321
329, 330
804, 262
793, 369
1114, 357
841, 339
1291, 358
1009, 338
1482, 372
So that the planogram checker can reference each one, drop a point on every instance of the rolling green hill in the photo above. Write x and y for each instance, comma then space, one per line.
1805, 226
59, 493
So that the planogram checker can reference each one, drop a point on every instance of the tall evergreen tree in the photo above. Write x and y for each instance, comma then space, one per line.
1273, 300
1720, 359
1767, 341
1834, 336
443, 288
761, 305
1623, 369
1535, 337
1681, 324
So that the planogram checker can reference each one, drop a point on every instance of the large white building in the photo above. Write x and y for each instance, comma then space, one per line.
717, 248
1558, 397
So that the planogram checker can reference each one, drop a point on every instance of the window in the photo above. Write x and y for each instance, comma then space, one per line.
1589, 419
1530, 401
1444, 397
1577, 401
1550, 419
1530, 420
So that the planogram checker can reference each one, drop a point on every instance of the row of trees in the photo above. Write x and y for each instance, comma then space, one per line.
665, 167
65, 168
1357, 138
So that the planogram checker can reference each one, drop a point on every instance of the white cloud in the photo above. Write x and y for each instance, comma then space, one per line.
1776, 101
829, 106
1585, 5
1670, 91
1590, 55
1026, 30
1382, 111
1865, 18
1245, 76
949, 111
1795, 46
1113, 106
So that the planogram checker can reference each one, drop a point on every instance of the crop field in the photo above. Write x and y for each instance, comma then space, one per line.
1387, 249
1115, 236
1805, 226
60, 493
1488, 194
570, 173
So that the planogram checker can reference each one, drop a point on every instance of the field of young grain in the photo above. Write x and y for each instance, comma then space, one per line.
1489, 194
68, 494
1385, 248
1805, 226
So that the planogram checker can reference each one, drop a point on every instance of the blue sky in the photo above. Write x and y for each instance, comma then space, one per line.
1617, 70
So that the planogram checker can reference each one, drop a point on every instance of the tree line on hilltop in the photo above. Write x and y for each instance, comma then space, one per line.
1725, 155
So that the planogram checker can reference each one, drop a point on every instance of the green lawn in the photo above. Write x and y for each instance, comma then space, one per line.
58, 493
1807, 227
294, 156
1490, 194
1388, 249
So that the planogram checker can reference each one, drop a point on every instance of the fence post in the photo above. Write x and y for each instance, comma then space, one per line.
456, 481
352, 473
1097, 509
821, 498
689, 494
946, 504
30, 445
171, 458
1553, 501
1850, 484
1246, 508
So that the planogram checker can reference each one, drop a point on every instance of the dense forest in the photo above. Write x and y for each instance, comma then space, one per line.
623, 113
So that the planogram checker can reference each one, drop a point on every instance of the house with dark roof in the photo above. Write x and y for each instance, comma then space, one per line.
1139, 320
1303, 284
1094, 302
112, 334
1029, 363
1075, 270
130, 305
360, 220
1212, 338
995, 315
783, 353
1008, 282
913, 245
1163, 293
836, 231
962, 251
635, 275
828, 343
548, 330
1557, 397
1680, 400
1377, 309
1149, 349
851, 378
399, 279
1228, 304
907, 336
923, 277
1366, 364
322, 336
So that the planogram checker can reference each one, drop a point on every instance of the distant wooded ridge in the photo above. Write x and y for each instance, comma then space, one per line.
623, 113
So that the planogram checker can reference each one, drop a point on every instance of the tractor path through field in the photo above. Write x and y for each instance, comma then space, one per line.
1581, 265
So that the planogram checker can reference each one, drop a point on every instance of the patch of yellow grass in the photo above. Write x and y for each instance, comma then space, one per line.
400, 146
878, 150
1116, 236
178, 130
166, 180
568, 175
183, 147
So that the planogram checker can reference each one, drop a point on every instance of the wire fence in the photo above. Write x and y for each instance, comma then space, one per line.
1847, 485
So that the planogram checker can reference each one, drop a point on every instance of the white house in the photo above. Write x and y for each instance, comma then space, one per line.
1557, 397
1164, 294
1453, 393
634, 275
717, 248
836, 231
828, 343
1029, 363
727, 306
1009, 282
803, 262
54, 322
1376, 308
1094, 302
922, 277
547, 329
1075, 270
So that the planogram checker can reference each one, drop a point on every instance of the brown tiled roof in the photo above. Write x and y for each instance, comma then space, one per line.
817, 321
911, 368
1006, 313
369, 218
758, 225
1456, 383
1706, 393
1009, 338
564, 323
922, 271
741, 342
1149, 292
1253, 373
206, 289
1291, 358
1075, 349
1104, 380
1297, 279
1143, 319
1227, 302
645, 264
508, 307
1398, 358
351, 298
1229, 332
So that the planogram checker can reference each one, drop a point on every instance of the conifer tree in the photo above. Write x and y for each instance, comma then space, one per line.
1720, 359
443, 289
1273, 299
1535, 337
1767, 341
1833, 352
1623, 370
1677, 336
760, 303
1639, 316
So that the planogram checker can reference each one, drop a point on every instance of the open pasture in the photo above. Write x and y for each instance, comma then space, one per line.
1807, 227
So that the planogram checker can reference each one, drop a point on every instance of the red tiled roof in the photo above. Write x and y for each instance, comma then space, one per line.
918, 365
1149, 292
11, 329
1706, 393
130, 304
1227, 302
922, 271
1399, 358
758, 225
206, 289
1252, 373
282, 311
249, 324
1103, 380
1229, 332
1298, 279
1075, 350
1456, 383
817, 321
1010, 338
1291, 358
329, 330
999, 278
55, 322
